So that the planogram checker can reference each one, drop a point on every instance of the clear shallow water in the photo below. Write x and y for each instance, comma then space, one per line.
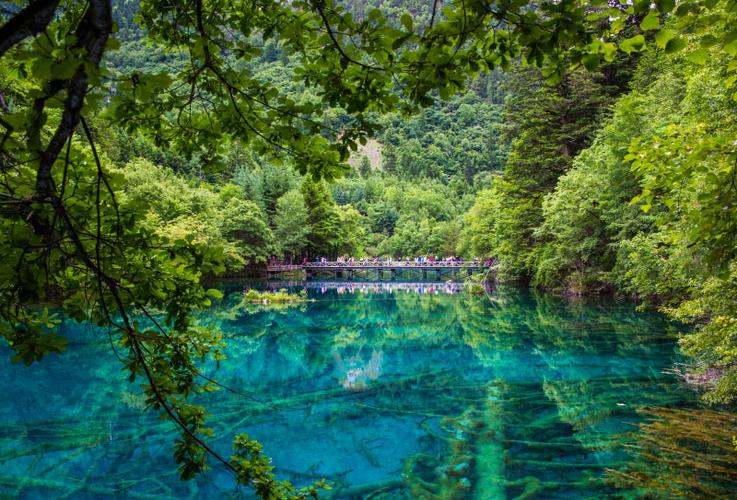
402, 393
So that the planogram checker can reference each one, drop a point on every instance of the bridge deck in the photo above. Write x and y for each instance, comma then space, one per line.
390, 266
370, 286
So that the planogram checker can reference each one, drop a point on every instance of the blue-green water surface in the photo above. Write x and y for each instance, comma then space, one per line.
389, 393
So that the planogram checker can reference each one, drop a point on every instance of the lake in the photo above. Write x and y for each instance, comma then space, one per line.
411, 390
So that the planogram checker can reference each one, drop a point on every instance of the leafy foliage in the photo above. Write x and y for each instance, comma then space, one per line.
648, 207
546, 127
291, 223
182, 210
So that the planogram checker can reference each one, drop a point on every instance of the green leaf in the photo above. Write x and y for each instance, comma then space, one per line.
731, 48
41, 68
651, 21
634, 44
66, 68
699, 56
708, 41
113, 43
665, 6
618, 24
675, 45
609, 50
641, 6
663, 36
400, 41
407, 22
590, 61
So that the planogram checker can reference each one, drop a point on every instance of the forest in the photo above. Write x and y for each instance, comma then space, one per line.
589, 147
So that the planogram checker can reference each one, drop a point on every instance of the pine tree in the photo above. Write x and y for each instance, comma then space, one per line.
290, 223
365, 167
322, 219
389, 159
546, 127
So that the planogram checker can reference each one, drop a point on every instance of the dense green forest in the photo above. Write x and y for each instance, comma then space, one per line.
641, 204
589, 147
405, 193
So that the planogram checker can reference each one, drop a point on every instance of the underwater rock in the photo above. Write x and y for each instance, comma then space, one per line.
461, 467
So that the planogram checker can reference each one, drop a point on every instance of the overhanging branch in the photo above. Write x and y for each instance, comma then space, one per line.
28, 22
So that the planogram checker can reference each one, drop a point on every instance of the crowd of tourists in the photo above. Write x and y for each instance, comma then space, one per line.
448, 288
399, 261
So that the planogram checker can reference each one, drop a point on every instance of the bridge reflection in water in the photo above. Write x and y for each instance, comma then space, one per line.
366, 287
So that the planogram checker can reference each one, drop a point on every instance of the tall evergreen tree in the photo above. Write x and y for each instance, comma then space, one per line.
290, 223
364, 167
545, 128
322, 219
389, 159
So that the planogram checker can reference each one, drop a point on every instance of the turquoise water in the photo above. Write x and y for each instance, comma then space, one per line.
403, 393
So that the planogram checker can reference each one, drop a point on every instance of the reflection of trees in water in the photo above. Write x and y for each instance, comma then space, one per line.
354, 373
555, 439
579, 415
505, 320
483, 437
490, 325
636, 347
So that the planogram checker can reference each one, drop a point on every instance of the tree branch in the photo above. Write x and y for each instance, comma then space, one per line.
339, 48
92, 34
28, 22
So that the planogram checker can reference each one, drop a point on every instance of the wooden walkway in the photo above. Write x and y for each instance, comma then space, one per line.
282, 268
349, 269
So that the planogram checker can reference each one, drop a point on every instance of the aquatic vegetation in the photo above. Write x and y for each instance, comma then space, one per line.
278, 297
681, 453
253, 301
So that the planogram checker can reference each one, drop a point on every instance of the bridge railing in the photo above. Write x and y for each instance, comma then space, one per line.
379, 265
393, 264
283, 267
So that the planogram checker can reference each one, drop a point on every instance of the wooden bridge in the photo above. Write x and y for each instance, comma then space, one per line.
381, 268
